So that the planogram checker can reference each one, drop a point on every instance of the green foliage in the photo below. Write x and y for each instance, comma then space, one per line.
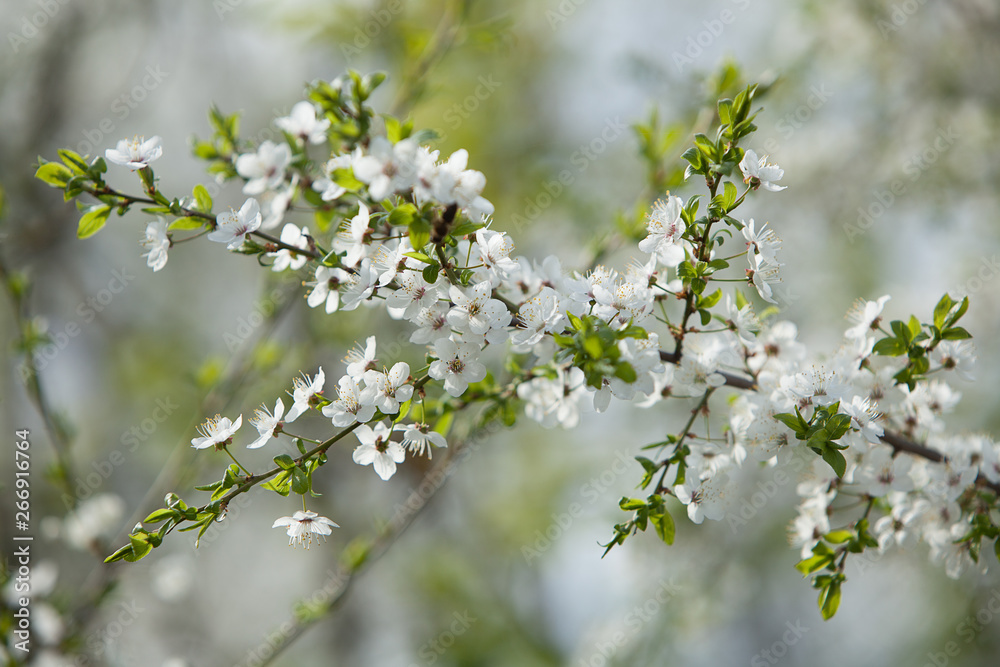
93, 219
827, 563
593, 347
917, 341
652, 511
821, 432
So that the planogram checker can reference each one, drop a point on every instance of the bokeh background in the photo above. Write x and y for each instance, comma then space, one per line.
860, 95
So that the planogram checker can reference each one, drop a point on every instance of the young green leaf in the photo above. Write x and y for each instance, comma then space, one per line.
92, 221
54, 174
664, 525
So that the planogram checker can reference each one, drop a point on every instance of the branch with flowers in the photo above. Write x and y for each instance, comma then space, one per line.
398, 227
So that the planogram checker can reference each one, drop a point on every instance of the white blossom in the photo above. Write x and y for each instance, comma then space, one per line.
284, 259
389, 388
419, 438
265, 169
216, 431
136, 153
303, 525
303, 123
326, 287
303, 392
353, 403
759, 172
157, 243
233, 226
457, 364
666, 228
266, 423
376, 449
704, 498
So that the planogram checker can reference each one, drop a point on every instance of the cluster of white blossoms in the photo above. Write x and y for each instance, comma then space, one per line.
361, 391
461, 299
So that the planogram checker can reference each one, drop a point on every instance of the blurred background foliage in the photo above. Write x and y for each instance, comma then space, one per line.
857, 95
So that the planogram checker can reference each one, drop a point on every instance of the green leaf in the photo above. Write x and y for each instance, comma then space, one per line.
563, 341
324, 218
466, 228
593, 347
694, 156
729, 196
419, 256
726, 111
54, 174
97, 168
420, 233
431, 272
625, 372
74, 160
208, 487
890, 347
902, 331
402, 216
838, 536
393, 128
300, 481
284, 461
955, 333
280, 484
204, 527
202, 198
404, 410
941, 310
707, 146
119, 555
631, 504
920, 365
159, 515
829, 600
345, 179
140, 547
794, 422
443, 424
92, 221
205, 150
633, 331
186, 224
962, 307
836, 461
838, 425
813, 564
710, 300
664, 525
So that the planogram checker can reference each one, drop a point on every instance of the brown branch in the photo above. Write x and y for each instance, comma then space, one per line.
895, 440
347, 572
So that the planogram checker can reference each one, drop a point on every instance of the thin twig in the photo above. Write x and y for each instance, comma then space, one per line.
347, 572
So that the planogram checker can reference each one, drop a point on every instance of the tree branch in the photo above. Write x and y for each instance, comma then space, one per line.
347, 572
895, 440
